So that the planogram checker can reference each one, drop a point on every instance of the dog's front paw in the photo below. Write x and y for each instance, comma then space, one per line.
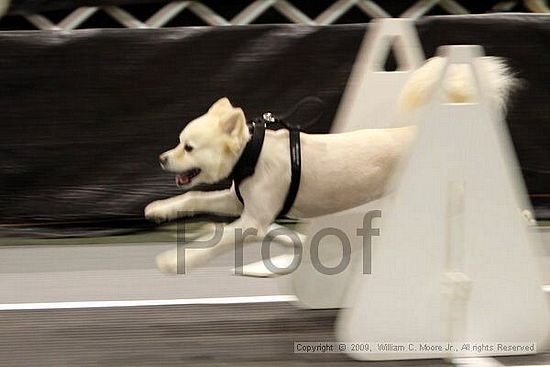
167, 262
157, 212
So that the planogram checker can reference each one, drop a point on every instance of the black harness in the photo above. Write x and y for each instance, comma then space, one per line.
248, 160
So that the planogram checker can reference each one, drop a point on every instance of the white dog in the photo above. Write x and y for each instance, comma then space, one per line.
339, 171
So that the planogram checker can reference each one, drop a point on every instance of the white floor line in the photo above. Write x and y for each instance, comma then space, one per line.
152, 302
156, 302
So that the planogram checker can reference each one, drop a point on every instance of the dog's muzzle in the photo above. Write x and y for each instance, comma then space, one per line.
185, 177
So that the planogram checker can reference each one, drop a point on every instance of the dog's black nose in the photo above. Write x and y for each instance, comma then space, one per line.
163, 159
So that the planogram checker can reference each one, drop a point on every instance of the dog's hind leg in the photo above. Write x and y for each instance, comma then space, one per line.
223, 202
277, 265
276, 233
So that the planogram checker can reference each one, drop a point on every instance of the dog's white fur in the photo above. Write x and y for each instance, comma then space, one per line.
339, 171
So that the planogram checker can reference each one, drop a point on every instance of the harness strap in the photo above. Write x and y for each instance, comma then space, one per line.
246, 165
248, 160
296, 170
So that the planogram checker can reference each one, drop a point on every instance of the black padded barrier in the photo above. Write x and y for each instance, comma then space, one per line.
84, 114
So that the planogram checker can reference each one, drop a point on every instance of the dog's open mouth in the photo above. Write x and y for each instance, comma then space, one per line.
185, 177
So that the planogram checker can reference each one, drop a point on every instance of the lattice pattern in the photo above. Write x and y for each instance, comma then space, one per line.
255, 9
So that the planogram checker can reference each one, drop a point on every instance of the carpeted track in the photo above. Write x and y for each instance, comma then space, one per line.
260, 334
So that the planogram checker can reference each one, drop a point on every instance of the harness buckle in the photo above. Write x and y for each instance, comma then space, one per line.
268, 116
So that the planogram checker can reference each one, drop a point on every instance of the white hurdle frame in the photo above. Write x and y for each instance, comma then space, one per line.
369, 101
443, 271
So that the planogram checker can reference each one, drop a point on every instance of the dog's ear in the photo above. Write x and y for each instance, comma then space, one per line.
220, 107
233, 122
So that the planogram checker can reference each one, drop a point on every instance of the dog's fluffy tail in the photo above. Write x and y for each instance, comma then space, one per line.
458, 84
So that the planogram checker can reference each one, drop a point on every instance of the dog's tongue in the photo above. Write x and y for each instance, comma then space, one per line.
182, 179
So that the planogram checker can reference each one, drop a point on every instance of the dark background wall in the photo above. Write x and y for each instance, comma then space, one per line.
85, 113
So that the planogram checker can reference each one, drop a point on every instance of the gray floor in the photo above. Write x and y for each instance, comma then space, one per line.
116, 272
198, 335
126, 271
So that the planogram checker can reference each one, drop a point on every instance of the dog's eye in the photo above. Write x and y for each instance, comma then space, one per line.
188, 148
